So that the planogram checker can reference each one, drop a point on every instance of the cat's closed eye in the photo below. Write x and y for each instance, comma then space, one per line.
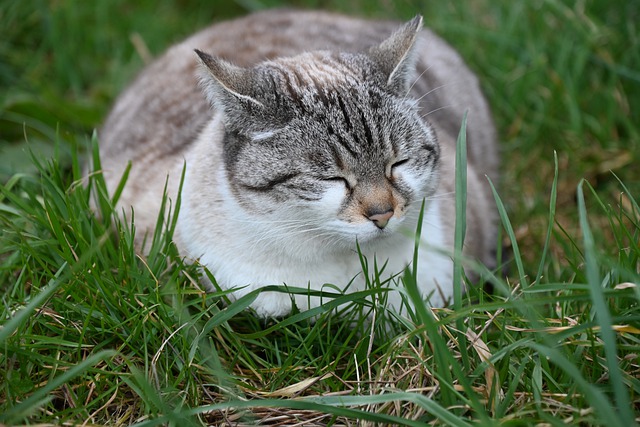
341, 180
396, 166
399, 163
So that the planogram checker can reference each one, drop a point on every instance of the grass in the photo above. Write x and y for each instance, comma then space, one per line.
92, 333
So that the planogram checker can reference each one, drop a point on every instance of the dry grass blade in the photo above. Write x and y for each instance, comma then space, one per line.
493, 391
296, 389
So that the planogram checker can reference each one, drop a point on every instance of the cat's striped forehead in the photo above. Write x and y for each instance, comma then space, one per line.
336, 100
313, 72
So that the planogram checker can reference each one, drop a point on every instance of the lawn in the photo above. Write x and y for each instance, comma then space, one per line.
92, 333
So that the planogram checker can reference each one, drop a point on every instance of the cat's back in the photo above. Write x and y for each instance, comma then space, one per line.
157, 117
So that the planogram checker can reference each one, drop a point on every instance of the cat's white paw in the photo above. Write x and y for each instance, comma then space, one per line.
272, 304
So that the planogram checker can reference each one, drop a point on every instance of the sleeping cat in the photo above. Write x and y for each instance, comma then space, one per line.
306, 135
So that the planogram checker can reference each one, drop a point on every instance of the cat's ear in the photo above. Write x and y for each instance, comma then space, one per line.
396, 58
228, 87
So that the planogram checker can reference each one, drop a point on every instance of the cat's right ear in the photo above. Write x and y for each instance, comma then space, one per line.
227, 87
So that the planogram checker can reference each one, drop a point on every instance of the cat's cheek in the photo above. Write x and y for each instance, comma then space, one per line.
332, 199
416, 184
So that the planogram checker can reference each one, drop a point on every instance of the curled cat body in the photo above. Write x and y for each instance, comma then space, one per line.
305, 136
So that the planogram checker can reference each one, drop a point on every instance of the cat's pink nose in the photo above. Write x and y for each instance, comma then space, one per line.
381, 219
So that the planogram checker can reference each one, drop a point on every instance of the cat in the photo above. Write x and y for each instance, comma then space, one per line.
307, 136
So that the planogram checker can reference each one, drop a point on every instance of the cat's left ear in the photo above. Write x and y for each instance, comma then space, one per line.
396, 57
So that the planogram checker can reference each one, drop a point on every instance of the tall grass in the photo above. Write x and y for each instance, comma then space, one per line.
93, 333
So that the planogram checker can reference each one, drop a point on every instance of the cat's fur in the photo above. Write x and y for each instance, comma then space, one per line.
327, 132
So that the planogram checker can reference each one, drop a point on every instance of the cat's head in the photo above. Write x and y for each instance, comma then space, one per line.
329, 143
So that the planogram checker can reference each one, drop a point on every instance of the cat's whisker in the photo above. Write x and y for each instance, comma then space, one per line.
267, 221
416, 80
441, 196
435, 89
287, 235
281, 233
444, 107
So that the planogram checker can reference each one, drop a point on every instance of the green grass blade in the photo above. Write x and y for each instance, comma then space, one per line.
445, 364
506, 223
39, 397
338, 406
424, 402
459, 233
594, 396
21, 317
158, 405
552, 219
603, 316
461, 211
425, 317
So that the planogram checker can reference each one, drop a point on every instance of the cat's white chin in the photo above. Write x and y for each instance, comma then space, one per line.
348, 236
372, 234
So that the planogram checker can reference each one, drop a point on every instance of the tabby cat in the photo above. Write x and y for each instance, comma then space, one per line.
307, 136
